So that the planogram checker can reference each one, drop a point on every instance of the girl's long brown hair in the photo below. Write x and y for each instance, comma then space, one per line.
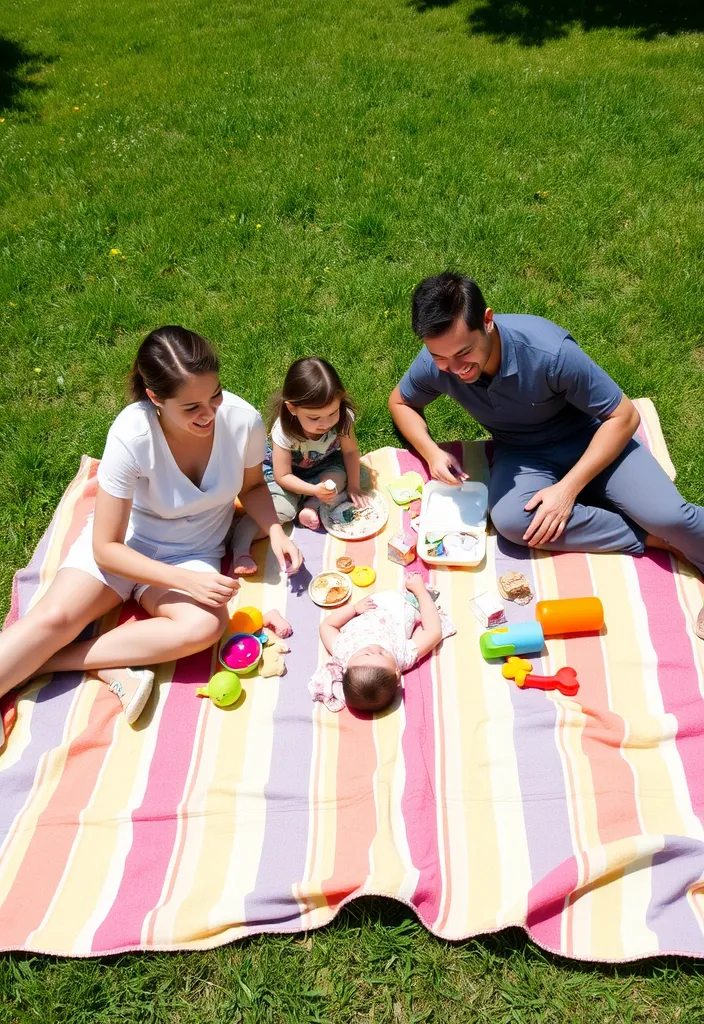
311, 383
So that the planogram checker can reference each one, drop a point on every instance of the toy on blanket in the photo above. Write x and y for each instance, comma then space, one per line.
554, 618
570, 615
272, 663
241, 653
247, 620
504, 642
224, 688
401, 548
406, 488
564, 680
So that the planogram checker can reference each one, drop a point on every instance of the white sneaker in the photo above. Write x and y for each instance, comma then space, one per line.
134, 694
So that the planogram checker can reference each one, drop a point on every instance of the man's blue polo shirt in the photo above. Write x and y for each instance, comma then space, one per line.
546, 388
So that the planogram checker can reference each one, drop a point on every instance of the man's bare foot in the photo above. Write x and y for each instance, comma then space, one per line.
699, 625
243, 565
309, 518
275, 621
131, 687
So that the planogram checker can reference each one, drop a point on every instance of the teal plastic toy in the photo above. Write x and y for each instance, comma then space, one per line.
508, 641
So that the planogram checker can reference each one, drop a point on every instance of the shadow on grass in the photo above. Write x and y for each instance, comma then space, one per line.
378, 911
534, 22
18, 67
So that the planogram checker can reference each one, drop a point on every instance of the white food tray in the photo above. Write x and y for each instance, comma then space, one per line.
449, 508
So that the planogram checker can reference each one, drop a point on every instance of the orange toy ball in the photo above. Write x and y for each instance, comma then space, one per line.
247, 620
570, 615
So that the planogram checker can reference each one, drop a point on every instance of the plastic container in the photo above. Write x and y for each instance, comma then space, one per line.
570, 615
449, 509
507, 641
241, 653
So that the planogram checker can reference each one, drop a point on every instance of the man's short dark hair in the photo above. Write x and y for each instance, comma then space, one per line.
439, 301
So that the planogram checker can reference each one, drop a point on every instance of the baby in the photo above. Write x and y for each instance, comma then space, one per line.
372, 643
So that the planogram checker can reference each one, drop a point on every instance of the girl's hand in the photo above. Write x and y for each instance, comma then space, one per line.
367, 604
415, 583
358, 497
208, 588
285, 551
324, 494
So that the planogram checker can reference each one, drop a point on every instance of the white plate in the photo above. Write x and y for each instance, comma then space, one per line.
447, 509
332, 579
361, 528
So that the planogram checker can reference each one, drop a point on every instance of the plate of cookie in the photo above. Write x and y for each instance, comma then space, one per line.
329, 589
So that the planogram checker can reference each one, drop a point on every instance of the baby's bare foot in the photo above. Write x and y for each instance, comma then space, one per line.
243, 565
274, 620
309, 518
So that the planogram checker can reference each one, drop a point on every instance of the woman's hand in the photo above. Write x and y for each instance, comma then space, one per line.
367, 604
358, 497
208, 588
556, 503
415, 583
285, 551
446, 468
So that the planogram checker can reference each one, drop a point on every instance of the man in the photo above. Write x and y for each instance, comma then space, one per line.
568, 474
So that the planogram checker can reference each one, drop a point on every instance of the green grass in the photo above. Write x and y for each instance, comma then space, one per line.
372, 964
278, 177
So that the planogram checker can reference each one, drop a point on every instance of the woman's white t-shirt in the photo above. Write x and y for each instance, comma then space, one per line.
171, 517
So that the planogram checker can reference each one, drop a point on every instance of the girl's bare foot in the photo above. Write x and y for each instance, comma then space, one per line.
275, 621
243, 565
309, 518
132, 688
699, 625
246, 532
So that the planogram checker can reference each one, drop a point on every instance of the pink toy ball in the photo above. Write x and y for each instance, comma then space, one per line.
241, 653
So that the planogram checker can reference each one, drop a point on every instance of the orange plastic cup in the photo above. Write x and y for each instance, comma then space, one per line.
570, 615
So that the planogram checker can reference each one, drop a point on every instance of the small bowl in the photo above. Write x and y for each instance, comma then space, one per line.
244, 652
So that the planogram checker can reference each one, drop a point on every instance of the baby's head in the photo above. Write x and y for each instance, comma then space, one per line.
371, 680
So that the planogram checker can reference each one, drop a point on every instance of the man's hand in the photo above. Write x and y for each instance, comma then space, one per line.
446, 468
556, 503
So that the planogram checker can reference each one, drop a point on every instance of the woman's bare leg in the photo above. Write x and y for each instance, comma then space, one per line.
178, 627
74, 600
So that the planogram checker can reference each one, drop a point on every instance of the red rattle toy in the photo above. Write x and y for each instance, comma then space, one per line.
518, 669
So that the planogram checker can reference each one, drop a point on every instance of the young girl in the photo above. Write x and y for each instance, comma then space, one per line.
371, 644
174, 461
313, 455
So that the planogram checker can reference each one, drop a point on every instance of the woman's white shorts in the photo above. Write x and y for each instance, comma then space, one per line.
80, 556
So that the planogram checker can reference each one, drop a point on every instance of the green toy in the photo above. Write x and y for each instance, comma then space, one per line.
406, 488
224, 688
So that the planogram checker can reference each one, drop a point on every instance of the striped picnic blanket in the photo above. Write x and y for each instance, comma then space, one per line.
478, 804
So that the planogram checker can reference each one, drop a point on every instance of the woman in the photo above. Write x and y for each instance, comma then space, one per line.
174, 462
